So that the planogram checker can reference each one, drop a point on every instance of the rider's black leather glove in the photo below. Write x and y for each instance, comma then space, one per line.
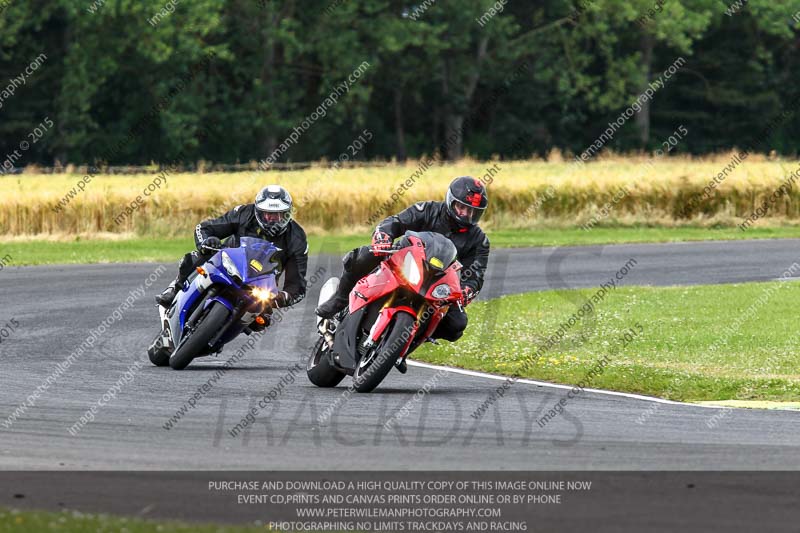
209, 244
381, 242
467, 295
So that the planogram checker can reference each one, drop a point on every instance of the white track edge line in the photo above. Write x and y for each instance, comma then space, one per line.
496, 377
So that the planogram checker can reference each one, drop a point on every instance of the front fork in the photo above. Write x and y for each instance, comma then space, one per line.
327, 329
385, 316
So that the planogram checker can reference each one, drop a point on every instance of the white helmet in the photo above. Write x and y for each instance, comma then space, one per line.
273, 209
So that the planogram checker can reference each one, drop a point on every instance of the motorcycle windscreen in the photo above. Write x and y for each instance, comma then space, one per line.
258, 258
440, 251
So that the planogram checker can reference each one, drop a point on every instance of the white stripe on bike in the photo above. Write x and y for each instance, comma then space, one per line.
476, 374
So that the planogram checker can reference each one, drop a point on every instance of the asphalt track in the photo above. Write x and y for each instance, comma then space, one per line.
56, 307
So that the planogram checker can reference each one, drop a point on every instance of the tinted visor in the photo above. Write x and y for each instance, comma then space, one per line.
466, 213
273, 222
273, 217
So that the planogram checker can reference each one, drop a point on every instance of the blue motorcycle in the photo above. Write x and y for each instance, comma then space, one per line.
229, 294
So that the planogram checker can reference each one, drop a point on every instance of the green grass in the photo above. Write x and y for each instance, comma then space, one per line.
75, 522
140, 249
685, 351
620, 235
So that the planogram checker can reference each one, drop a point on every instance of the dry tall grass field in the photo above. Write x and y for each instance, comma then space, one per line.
528, 194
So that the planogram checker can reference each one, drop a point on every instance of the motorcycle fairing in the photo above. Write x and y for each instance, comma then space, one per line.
375, 285
345, 343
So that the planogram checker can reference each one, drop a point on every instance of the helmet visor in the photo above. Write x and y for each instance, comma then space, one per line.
465, 213
273, 221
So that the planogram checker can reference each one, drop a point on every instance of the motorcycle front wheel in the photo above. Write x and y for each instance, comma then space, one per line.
197, 341
379, 361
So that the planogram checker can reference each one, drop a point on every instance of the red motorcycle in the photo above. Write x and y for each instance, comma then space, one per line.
392, 312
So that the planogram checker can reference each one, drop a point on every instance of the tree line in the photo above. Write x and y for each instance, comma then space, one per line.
230, 81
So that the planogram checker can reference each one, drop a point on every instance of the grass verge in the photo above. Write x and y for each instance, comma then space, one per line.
77, 522
138, 249
701, 343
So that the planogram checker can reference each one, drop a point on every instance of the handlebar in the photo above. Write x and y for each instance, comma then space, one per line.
387, 251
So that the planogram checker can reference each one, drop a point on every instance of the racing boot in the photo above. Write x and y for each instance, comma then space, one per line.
165, 298
338, 301
185, 268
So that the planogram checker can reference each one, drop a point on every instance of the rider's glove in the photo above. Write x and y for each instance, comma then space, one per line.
209, 244
381, 242
467, 295
281, 299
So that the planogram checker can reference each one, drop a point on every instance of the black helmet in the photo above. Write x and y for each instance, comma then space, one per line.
466, 200
273, 209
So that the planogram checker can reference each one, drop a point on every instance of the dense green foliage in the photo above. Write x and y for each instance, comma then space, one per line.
129, 81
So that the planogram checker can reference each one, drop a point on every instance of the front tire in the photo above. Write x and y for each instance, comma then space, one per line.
376, 365
319, 369
197, 342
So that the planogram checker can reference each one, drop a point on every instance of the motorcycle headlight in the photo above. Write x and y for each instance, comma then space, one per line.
441, 291
411, 270
230, 267
263, 295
